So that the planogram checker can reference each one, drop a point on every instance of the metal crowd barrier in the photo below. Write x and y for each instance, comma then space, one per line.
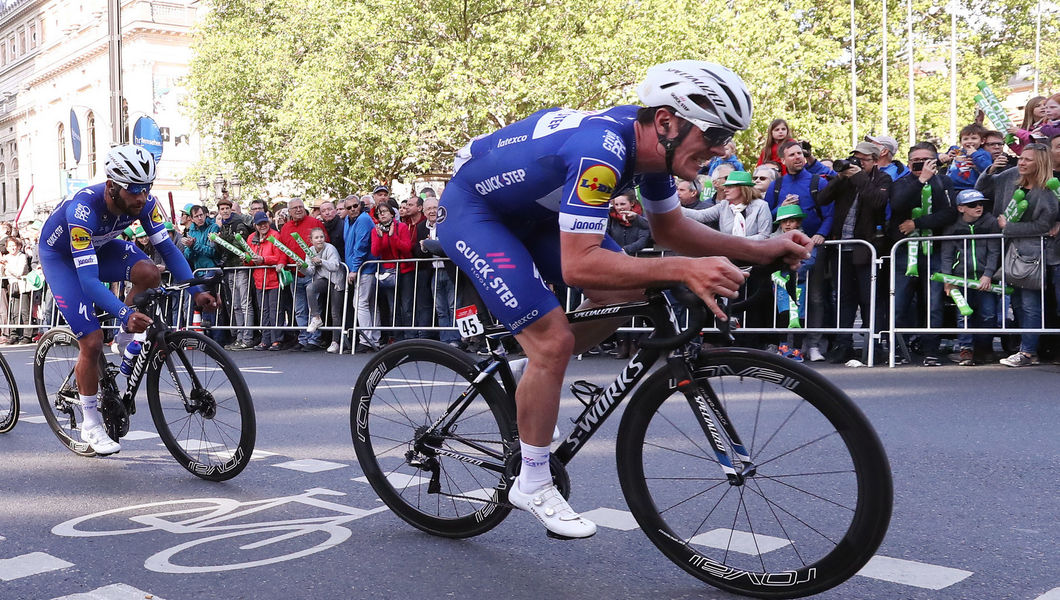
901, 247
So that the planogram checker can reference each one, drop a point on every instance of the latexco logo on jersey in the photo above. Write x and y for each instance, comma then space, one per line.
79, 238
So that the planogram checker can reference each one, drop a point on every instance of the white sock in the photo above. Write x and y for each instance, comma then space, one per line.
535, 473
518, 366
91, 416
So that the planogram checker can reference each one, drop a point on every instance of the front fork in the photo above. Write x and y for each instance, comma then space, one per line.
711, 414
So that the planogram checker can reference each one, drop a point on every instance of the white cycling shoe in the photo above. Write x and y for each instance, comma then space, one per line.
96, 437
548, 505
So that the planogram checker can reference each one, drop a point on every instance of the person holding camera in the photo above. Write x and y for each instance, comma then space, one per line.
392, 240
911, 293
859, 193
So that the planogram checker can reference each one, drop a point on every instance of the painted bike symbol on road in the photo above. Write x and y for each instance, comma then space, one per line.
227, 520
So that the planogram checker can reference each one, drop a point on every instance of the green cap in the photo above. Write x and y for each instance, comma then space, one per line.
789, 211
169, 226
738, 178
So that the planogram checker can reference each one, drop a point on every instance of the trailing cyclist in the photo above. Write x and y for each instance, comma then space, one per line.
79, 251
528, 204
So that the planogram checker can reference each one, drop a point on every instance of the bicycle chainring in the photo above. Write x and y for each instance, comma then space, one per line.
115, 417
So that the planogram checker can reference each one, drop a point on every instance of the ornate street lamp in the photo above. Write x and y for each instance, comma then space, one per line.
204, 189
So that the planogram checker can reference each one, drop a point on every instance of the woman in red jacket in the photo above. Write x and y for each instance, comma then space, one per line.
267, 280
777, 134
392, 240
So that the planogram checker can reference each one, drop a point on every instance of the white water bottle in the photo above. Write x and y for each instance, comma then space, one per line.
131, 352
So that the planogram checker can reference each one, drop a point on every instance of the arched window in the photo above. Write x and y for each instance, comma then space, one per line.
62, 146
90, 127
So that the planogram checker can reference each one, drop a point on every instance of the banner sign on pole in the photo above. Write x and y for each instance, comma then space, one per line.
147, 135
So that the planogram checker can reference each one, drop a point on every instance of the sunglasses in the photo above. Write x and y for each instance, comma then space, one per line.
760, 178
973, 204
136, 188
717, 136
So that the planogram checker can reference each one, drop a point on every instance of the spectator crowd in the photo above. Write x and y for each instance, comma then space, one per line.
297, 275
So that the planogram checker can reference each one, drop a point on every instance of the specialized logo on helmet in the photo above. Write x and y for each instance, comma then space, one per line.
596, 184
80, 238
156, 216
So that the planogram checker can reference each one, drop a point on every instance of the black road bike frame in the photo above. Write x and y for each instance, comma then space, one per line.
667, 337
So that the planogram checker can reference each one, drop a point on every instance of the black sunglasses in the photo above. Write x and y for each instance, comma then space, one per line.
972, 204
717, 136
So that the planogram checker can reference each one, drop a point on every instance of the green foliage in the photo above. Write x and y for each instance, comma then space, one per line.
338, 94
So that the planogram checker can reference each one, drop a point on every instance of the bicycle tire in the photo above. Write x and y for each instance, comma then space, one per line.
705, 525
410, 380
9, 400
216, 440
53, 377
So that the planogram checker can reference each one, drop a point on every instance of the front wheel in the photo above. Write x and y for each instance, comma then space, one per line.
8, 398
808, 517
201, 406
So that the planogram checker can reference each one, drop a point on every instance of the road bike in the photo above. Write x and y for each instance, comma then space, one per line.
199, 401
9, 404
748, 470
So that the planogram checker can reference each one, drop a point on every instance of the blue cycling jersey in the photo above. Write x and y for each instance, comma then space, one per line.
514, 190
81, 233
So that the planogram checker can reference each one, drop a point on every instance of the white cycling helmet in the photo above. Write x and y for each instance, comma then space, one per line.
131, 167
673, 84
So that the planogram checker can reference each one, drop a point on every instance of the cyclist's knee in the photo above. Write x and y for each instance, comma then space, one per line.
91, 344
145, 274
548, 340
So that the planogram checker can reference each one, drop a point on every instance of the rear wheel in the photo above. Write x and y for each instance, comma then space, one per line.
201, 406
808, 518
8, 398
53, 377
430, 475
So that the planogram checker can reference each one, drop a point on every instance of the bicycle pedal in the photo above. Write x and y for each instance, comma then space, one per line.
586, 392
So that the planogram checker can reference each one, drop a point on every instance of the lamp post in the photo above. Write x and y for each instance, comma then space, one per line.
220, 185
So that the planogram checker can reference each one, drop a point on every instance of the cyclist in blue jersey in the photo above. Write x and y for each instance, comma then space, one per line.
79, 252
529, 204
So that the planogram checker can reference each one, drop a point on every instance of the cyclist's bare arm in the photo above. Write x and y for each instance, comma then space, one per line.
688, 237
587, 265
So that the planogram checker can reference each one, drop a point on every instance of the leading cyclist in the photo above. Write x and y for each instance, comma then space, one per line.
528, 204
78, 252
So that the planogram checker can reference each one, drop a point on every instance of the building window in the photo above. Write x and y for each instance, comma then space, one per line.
90, 129
32, 35
21, 41
62, 147
3, 54
3, 188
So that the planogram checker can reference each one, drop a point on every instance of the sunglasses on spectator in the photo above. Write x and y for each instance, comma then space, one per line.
760, 178
973, 204
717, 136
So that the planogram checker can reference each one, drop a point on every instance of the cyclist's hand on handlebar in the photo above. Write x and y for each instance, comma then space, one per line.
138, 322
206, 300
715, 276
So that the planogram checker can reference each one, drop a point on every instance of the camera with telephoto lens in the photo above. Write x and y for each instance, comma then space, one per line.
845, 163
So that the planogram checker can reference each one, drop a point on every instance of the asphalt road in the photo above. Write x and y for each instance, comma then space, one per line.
974, 452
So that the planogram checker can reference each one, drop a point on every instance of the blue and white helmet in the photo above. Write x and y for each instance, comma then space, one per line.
131, 167
728, 103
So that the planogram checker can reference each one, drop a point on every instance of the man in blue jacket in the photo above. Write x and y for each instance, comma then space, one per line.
357, 239
806, 177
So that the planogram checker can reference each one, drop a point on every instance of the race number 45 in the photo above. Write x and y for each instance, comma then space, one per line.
467, 321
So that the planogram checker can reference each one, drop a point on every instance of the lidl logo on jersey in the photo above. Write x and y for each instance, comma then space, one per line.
79, 238
156, 216
595, 184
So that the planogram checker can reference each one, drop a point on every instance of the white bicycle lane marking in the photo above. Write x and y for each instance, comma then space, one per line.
197, 516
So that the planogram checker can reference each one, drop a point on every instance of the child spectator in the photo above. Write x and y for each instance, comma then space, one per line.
329, 281
776, 135
267, 280
1033, 117
970, 159
976, 260
1051, 125
729, 158
789, 218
